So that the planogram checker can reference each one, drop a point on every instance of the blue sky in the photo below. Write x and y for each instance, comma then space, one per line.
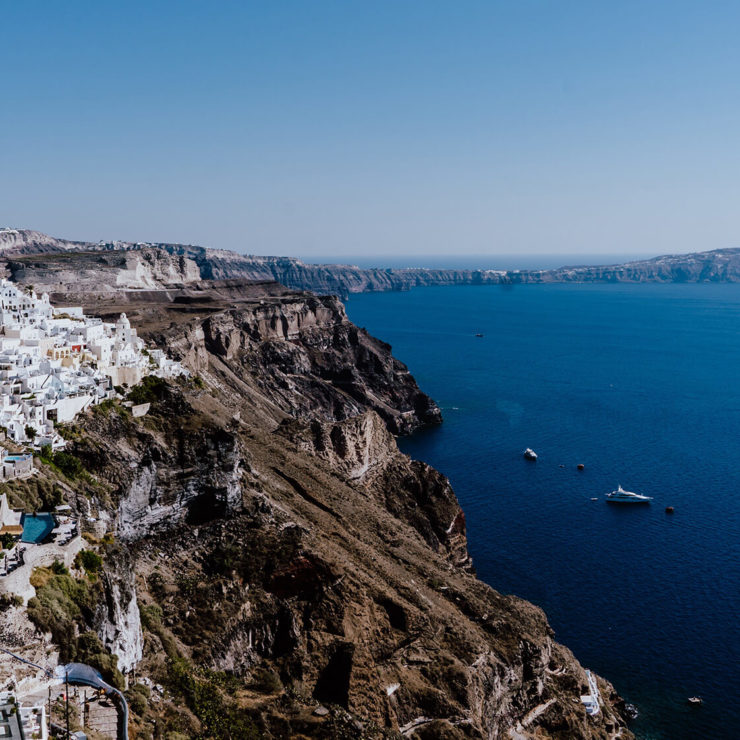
375, 128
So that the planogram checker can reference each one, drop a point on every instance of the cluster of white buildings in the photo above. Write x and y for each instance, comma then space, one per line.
56, 362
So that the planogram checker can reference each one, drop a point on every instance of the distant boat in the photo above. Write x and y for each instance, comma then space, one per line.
530, 454
695, 700
620, 496
480, 335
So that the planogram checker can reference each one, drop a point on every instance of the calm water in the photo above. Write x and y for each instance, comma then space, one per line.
639, 383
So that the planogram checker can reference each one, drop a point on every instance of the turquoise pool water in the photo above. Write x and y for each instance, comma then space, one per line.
36, 528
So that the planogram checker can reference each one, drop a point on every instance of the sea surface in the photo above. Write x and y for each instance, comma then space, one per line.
640, 383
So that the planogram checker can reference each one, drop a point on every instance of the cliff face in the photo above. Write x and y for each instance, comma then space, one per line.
268, 526
117, 619
302, 356
57, 265
102, 271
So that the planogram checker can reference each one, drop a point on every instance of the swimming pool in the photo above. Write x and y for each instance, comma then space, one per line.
37, 527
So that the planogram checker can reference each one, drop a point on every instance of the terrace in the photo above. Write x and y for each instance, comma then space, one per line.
40, 539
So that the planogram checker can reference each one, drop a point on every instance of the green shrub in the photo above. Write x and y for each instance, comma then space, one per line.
151, 616
138, 698
150, 390
9, 600
68, 464
136, 702
265, 681
89, 561
221, 717
59, 568
38, 493
140, 688
91, 650
104, 407
68, 431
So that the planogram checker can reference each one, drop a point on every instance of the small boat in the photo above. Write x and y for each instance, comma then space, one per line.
480, 335
581, 466
669, 510
696, 700
620, 496
530, 454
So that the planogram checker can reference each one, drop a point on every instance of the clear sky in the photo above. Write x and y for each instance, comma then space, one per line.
329, 127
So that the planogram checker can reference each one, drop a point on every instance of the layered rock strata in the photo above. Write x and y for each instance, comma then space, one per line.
55, 265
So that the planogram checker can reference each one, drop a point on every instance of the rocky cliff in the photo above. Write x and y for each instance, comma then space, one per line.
279, 554
60, 265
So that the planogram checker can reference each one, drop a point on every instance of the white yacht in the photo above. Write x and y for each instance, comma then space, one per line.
530, 454
620, 496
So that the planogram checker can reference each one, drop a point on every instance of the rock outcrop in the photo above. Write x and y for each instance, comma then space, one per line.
117, 620
302, 354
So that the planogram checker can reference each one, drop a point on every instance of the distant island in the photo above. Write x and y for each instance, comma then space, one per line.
56, 265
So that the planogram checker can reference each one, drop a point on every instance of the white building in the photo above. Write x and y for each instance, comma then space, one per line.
34, 721
10, 519
55, 363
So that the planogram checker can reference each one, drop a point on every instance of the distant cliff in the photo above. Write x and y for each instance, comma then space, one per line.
57, 264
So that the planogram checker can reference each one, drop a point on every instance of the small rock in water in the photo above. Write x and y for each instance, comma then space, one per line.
631, 711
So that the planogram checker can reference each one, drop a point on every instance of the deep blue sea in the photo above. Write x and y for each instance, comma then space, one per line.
640, 383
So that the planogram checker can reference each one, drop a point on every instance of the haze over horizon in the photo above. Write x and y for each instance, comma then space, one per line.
421, 129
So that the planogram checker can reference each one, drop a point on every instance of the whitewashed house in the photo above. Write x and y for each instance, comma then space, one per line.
56, 363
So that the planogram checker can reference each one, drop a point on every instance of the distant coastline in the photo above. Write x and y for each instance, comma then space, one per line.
35, 258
